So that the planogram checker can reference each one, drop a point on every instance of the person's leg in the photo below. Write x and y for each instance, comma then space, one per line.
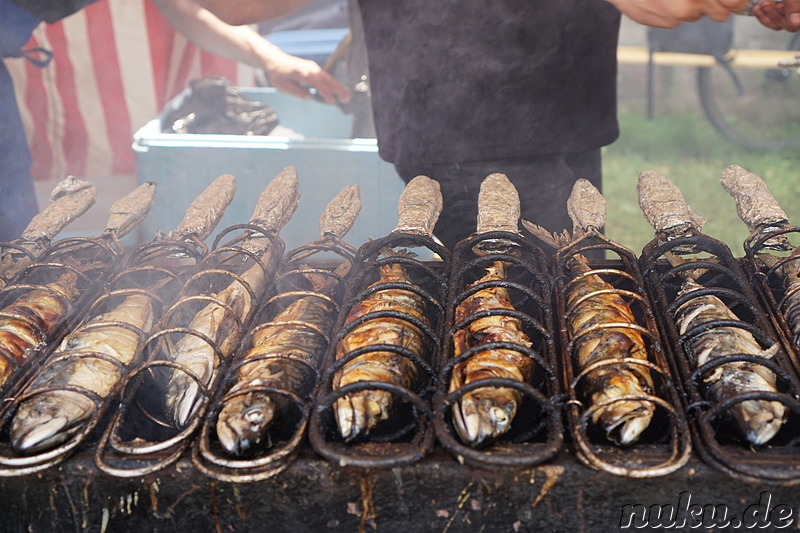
543, 182
17, 194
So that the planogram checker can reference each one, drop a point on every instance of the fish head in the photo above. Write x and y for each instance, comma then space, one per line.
244, 423
49, 419
623, 421
760, 420
485, 414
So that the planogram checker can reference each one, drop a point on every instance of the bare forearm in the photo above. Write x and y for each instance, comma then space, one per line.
238, 43
287, 73
238, 12
671, 13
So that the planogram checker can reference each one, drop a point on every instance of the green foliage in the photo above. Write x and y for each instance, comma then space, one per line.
692, 154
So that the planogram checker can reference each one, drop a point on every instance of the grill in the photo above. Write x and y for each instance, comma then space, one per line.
714, 439
412, 470
410, 435
536, 433
666, 445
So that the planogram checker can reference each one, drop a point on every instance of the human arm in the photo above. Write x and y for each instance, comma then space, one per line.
238, 12
778, 15
286, 73
671, 13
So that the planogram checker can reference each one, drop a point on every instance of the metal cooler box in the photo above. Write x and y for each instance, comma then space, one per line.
323, 152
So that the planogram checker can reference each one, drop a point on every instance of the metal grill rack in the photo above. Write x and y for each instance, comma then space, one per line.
715, 435
665, 445
536, 433
408, 435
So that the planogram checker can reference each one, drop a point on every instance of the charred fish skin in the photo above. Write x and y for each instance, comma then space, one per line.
758, 420
592, 303
359, 413
282, 356
28, 321
482, 415
48, 419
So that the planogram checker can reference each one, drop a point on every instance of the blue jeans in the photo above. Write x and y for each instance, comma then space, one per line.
17, 194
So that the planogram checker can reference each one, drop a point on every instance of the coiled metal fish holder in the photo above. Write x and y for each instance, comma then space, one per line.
665, 445
265, 402
716, 438
536, 433
407, 436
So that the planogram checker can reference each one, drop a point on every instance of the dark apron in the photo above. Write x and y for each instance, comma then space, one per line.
17, 194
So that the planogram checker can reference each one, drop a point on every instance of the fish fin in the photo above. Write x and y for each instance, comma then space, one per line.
388, 251
770, 352
555, 239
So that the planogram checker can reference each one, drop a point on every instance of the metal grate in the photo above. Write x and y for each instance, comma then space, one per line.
407, 435
716, 438
665, 445
536, 433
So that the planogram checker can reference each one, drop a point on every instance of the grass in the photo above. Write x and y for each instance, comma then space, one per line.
692, 154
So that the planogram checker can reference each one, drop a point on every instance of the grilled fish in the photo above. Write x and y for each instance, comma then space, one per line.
592, 305
282, 356
200, 358
50, 418
758, 420
486, 413
790, 271
358, 413
27, 322
274, 208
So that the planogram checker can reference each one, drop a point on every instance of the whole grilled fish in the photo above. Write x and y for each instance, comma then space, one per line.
27, 321
198, 357
275, 206
758, 420
50, 418
358, 413
486, 413
286, 351
283, 355
591, 305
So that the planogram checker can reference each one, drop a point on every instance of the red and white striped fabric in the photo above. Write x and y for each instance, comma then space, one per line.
115, 64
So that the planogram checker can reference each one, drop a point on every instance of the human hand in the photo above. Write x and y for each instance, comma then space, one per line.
778, 15
671, 13
293, 75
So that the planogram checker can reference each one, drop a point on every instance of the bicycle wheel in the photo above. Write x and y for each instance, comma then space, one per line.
754, 107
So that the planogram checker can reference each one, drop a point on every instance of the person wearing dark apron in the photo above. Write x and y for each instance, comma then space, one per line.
17, 195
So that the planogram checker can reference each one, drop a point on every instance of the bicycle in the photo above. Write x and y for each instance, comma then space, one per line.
749, 95
756, 107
